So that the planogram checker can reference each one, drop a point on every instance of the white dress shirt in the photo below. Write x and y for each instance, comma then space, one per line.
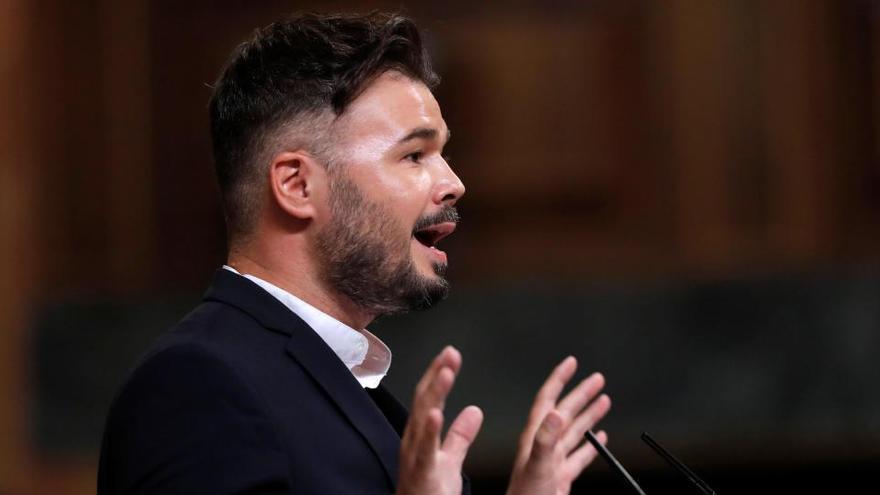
367, 357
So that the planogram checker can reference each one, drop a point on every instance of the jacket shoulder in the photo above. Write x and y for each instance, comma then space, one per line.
184, 415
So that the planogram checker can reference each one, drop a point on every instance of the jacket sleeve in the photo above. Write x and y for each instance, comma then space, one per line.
187, 423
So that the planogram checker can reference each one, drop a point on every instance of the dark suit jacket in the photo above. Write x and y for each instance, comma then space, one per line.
243, 397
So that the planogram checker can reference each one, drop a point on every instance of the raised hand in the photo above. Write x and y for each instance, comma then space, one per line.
552, 451
427, 465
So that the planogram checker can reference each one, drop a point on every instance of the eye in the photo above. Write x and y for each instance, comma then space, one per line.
415, 157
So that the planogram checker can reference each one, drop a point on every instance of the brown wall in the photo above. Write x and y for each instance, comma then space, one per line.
621, 139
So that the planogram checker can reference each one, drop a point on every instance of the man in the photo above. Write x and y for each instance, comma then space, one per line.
328, 147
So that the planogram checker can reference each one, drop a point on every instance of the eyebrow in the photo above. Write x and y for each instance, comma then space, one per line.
424, 133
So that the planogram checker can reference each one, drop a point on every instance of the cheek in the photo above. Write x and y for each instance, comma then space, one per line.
406, 193
411, 203
405, 211
402, 180
323, 211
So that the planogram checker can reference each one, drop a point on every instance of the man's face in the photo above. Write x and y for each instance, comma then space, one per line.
391, 199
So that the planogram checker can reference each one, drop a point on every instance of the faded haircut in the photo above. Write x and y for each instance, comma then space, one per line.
288, 83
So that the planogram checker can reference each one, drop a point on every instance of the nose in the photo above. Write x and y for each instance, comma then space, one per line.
448, 188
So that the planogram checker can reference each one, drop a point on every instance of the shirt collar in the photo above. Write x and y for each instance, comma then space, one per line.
364, 354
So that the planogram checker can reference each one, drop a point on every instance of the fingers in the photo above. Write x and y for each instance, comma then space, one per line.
449, 358
560, 376
436, 383
433, 398
541, 458
549, 457
547, 435
424, 463
462, 433
435, 392
425, 441
572, 404
426, 419
582, 457
545, 400
586, 420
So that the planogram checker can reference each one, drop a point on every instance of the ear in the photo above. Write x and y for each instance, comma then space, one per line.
294, 178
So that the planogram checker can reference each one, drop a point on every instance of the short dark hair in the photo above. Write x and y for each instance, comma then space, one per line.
294, 68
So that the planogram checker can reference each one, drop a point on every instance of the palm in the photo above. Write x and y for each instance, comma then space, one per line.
552, 452
427, 465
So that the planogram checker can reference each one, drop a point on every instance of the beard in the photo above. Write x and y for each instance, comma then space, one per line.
364, 254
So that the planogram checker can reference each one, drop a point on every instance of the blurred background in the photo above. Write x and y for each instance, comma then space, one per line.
683, 194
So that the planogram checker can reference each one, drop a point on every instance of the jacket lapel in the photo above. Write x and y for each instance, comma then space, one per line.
394, 411
352, 400
319, 361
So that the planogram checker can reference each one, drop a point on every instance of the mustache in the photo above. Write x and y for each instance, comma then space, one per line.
447, 214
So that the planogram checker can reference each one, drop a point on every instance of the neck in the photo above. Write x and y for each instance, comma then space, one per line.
300, 279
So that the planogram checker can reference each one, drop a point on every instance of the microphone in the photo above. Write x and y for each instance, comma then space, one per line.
618, 468
701, 485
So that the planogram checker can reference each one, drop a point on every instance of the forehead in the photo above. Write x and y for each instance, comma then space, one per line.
389, 109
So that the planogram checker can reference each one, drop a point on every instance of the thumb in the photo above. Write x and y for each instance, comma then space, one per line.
545, 439
462, 433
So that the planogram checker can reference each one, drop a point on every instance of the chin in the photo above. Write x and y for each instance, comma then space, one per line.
439, 269
432, 291
432, 271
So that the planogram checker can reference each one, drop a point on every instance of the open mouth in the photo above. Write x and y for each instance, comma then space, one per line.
431, 235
